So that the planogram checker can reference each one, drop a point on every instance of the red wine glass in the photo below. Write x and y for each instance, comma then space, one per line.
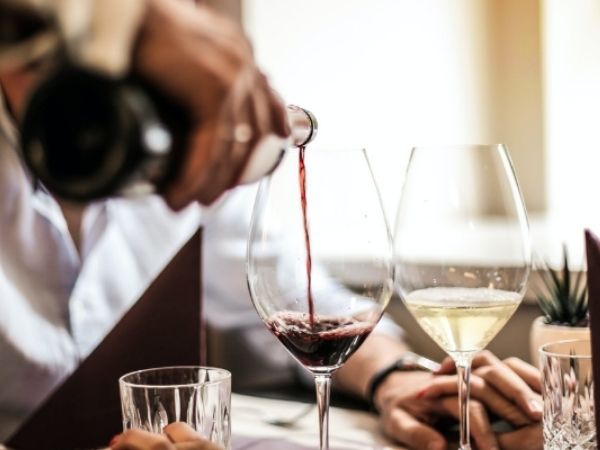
319, 260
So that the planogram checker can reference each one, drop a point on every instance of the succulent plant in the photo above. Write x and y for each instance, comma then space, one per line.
562, 299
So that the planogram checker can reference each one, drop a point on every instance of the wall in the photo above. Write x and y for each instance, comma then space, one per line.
571, 36
392, 74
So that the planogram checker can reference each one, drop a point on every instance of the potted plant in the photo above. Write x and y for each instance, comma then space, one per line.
563, 300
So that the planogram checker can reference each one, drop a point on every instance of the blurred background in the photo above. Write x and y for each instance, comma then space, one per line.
391, 74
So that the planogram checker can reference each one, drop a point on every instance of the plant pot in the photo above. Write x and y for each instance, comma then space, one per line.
542, 333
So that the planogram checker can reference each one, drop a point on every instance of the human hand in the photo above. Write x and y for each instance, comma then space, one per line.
204, 61
176, 436
514, 380
412, 404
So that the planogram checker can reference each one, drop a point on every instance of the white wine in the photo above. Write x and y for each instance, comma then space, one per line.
462, 320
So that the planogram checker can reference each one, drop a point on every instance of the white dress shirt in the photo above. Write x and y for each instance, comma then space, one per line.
56, 303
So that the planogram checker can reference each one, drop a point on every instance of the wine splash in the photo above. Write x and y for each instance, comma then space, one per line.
303, 201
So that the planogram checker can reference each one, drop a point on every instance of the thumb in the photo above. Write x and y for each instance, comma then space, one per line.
406, 429
447, 367
529, 437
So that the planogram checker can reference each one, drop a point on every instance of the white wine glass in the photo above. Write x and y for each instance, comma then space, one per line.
320, 276
461, 250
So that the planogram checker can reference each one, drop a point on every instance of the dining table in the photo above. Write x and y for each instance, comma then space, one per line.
253, 428
262, 423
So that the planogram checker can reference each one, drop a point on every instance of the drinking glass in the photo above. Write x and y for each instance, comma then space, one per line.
568, 392
319, 260
198, 396
461, 250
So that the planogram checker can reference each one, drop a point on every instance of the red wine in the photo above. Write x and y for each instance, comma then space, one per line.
327, 342
302, 179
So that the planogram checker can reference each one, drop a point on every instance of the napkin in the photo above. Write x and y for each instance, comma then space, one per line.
592, 245
163, 328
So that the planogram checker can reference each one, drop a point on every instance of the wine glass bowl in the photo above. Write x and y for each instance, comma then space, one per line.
319, 259
461, 249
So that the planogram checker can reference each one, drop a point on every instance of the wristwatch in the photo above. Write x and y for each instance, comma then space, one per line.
409, 361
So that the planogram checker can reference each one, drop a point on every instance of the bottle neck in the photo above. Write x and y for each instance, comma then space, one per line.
268, 152
303, 125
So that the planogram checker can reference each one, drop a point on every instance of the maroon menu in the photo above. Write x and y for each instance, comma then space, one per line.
592, 244
163, 328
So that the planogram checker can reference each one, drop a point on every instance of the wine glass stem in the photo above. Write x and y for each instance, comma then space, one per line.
323, 385
463, 369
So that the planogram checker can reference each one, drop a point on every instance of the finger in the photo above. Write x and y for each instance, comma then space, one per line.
447, 367
187, 438
440, 386
482, 391
403, 427
480, 427
192, 180
212, 162
140, 440
484, 358
502, 378
529, 437
496, 403
281, 127
182, 432
260, 106
231, 157
275, 107
197, 446
527, 372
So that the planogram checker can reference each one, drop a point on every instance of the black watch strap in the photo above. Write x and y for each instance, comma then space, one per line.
409, 361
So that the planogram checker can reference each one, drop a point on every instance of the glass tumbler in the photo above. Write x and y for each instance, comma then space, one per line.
198, 396
568, 391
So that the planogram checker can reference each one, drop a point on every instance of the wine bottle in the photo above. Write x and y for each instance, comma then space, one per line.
86, 136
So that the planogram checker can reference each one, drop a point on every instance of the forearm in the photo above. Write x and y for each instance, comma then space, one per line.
377, 352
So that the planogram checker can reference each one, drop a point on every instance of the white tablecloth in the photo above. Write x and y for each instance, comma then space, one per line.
348, 429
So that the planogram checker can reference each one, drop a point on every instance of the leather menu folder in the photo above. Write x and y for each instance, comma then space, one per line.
163, 328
